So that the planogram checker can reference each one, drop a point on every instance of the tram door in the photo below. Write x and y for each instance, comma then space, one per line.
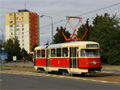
48, 59
74, 57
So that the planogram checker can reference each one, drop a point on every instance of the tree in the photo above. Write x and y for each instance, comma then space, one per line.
106, 31
24, 54
12, 47
47, 43
34, 47
9, 49
58, 37
17, 49
82, 30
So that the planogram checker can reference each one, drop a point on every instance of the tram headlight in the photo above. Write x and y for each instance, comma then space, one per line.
94, 62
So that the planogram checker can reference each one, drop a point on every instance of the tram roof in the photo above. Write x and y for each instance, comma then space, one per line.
67, 44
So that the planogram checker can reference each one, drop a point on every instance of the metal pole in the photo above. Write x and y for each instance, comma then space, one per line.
39, 31
52, 30
2, 56
51, 23
2, 59
52, 27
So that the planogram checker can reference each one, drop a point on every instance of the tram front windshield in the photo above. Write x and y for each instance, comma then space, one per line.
89, 52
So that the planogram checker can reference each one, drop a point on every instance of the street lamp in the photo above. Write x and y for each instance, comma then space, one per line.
51, 23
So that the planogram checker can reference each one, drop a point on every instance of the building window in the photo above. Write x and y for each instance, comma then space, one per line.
11, 33
17, 22
22, 32
17, 29
17, 18
17, 37
22, 25
22, 44
22, 17
11, 29
17, 25
11, 18
11, 21
11, 14
17, 33
11, 25
22, 36
22, 29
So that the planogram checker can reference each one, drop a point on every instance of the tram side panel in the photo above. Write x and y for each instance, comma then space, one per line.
59, 62
90, 63
41, 62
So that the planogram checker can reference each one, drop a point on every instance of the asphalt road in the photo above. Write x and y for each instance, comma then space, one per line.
30, 64
28, 82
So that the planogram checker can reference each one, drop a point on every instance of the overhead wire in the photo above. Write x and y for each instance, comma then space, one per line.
76, 15
85, 13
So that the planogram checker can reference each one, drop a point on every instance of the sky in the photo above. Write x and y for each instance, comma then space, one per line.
58, 10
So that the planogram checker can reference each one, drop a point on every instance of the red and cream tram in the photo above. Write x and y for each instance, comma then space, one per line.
79, 57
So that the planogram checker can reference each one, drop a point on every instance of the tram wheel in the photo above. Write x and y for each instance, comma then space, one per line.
40, 70
65, 73
83, 74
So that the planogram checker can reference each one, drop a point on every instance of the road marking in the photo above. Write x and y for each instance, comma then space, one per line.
61, 76
94, 80
85, 79
104, 81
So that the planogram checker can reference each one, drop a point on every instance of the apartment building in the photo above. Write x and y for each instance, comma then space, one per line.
23, 25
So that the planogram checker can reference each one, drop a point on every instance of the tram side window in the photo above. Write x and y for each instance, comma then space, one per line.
34, 54
65, 52
43, 53
58, 52
82, 53
38, 53
52, 52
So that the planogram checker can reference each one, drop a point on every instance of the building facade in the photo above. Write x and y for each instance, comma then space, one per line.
23, 25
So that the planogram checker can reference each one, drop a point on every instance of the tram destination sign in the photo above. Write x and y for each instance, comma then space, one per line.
92, 46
